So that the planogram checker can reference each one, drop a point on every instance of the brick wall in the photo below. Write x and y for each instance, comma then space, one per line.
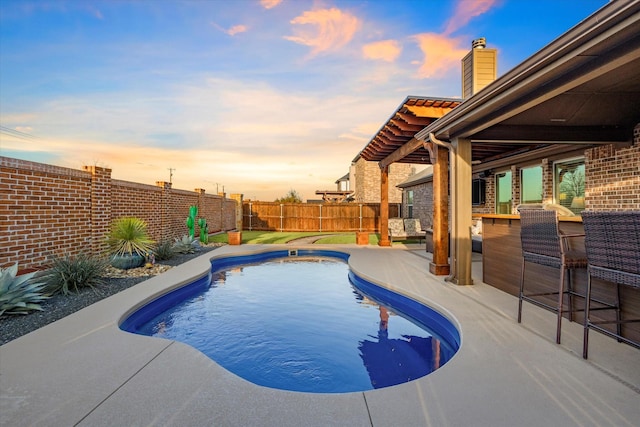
422, 203
49, 210
612, 177
489, 205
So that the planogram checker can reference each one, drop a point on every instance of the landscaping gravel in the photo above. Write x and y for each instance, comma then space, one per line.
59, 306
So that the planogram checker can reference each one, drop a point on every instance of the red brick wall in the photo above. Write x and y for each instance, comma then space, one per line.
612, 177
49, 210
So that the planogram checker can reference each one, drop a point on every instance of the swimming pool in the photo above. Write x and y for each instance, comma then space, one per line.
301, 321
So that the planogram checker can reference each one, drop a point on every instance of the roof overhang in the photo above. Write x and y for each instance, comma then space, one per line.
583, 88
394, 141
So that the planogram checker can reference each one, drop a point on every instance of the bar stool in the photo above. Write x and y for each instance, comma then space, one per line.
543, 244
612, 242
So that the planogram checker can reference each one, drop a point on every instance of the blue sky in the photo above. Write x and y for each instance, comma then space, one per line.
257, 96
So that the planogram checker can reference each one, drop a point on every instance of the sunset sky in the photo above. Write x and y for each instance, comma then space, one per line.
258, 97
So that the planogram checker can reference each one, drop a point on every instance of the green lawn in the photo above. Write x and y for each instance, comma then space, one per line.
272, 237
266, 237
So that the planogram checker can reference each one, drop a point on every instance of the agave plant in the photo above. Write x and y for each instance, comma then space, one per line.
185, 245
164, 250
129, 236
19, 295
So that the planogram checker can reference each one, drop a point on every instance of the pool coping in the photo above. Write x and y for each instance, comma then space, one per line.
83, 370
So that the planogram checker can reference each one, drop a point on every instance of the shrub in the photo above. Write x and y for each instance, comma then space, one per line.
129, 236
185, 245
19, 295
164, 250
69, 274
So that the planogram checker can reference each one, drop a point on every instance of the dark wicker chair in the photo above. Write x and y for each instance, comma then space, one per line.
543, 244
612, 243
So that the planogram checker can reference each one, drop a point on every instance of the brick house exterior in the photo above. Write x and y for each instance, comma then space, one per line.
612, 181
367, 180
421, 186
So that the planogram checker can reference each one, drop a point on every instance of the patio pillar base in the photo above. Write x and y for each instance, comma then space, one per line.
362, 238
439, 269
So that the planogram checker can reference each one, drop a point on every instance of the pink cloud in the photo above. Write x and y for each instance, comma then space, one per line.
441, 54
331, 29
236, 29
385, 50
465, 11
270, 4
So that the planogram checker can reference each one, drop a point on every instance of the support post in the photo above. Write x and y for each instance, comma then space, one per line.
440, 264
461, 212
384, 207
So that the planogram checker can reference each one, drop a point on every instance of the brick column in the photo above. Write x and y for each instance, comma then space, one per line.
515, 188
547, 181
100, 206
165, 197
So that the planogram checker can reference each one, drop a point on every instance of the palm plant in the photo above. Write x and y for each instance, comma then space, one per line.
129, 236
129, 242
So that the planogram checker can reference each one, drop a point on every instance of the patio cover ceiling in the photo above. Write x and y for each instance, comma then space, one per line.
584, 87
413, 114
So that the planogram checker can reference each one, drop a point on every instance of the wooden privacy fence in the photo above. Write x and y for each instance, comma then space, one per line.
272, 216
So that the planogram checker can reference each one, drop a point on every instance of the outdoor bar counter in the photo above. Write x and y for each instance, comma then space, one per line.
502, 263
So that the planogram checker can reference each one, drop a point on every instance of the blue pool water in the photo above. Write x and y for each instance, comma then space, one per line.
301, 323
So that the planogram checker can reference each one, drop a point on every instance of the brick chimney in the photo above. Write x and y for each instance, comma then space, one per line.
479, 68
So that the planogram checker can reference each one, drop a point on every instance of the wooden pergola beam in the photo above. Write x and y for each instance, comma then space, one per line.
402, 152
414, 120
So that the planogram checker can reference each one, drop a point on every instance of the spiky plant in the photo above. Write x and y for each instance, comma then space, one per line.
164, 250
129, 236
19, 294
70, 274
185, 245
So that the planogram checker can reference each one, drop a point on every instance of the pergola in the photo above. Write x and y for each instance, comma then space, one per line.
395, 143
581, 90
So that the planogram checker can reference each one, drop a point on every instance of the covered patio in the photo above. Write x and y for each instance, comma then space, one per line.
578, 92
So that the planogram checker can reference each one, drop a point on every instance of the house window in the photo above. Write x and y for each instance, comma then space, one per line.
531, 185
410, 204
568, 184
478, 189
503, 193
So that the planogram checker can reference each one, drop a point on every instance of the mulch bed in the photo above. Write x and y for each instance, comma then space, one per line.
59, 306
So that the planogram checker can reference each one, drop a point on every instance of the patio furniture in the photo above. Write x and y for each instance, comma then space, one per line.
612, 244
402, 229
542, 243
413, 228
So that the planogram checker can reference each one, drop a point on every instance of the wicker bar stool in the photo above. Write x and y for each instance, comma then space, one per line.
543, 244
612, 243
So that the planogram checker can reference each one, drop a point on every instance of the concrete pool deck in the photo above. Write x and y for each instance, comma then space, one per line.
83, 370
